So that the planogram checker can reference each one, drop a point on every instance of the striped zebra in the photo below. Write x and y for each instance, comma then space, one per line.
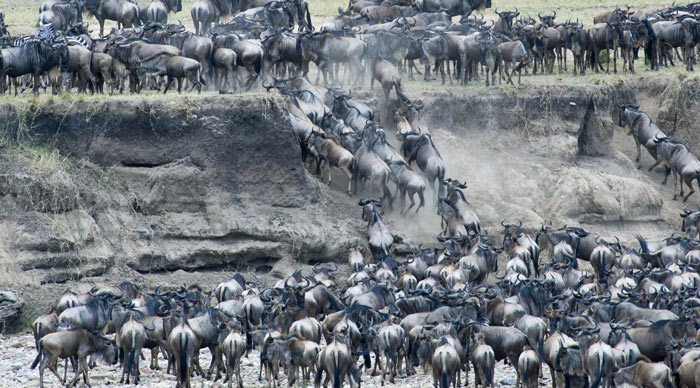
21, 40
46, 31
78, 41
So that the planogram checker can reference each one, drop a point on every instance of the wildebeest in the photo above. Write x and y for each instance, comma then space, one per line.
233, 348
35, 58
445, 364
184, 346
327, 49
407, 182
206, 12
452, 7
336, 360
419, 147
132, 337
78, 343
61, 15
645, 374
640, 126
175, 67
158, 10
124, 12
329, 150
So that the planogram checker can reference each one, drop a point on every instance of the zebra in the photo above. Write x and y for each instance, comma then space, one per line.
20, 41
46, 31
78, 41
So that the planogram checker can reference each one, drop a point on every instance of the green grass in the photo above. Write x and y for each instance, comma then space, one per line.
24, 321
568, 9
27, 98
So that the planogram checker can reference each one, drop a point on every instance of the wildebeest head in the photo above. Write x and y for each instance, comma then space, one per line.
547, 20
690, 218
624, 108
107, 350
506, 18
369, 208
511, 234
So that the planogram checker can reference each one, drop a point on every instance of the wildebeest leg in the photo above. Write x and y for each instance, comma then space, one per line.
170, 81
426, 75
51, 364
410, 197
551, 370
197, 367
675, 183
154, 358
192, 77
442, 71
35, 89
668, 171
324, 70
689, 182
639, 152
349, 175
357, 65
329, 174
563, 55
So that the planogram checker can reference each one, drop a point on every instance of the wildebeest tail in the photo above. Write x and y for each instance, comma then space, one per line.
599, 374
387, 193
642, 243
38, 356
365, 354
488, 371
336, 372
130, 362
137, 22
248, 338
444, 381
441, 185
201, 79
36, 331
600, 267
308, 19
184, 362
669, 379
132, 353
391, 354
399, 92
230, 359
534, 253
414, 354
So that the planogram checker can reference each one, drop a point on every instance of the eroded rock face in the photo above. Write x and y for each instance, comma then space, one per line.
150, 186
584, 197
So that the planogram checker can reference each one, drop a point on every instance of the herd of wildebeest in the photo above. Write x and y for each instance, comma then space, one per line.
276, 38
632, 321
